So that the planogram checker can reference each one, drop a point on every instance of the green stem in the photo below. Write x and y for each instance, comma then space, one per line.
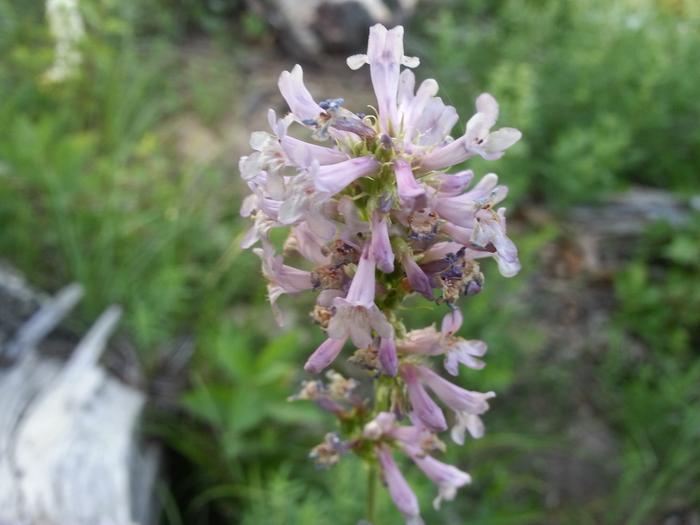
371, 493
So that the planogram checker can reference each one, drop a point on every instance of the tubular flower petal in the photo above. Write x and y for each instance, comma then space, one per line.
411, 194
417, 278
298, 98
402, 495
324, 355
425, 409
477, 140
387, 356
356, 314
334, 177
447, 477
381, 245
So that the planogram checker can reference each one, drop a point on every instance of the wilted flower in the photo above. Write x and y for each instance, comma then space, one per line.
377, 217
328, 453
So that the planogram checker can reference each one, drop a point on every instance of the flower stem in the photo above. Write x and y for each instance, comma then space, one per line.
371, 493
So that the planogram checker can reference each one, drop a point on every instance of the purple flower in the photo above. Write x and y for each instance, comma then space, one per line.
424, 408
300, 101
378, 190
303, 203
427, 121
413, 439
416, 277
466, 422
387, 356
416, 441
383, 424
417, 108
324, 355
458, 350
429, 342
303, 154
411, 194
356, 314
466, 404
454, 184
461, 209
380, 244
490, 229
261, 226
282, 279
434, 124
455, 397
384, 56
334, 177
422, 341
448, 478
402, 495
306, 243
477, 140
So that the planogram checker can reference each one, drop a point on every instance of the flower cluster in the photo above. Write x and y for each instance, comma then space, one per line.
377, 218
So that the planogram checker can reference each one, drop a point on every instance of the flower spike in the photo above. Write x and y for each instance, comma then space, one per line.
374, 216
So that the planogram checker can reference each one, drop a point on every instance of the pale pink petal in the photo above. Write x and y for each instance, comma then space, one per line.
416, 109
324, 355
469, 422
454, 184
445, 156
380, 243
411, 194
423, 341
384, 54
379, 323
362, 288
423, 406
335, 177
401, 494
452, 322
416, 277
502, 139
300, 101
458, 234
448, 478
457, 398
388, 357
302, 154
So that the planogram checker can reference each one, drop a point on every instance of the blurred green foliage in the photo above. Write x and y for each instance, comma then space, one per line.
94, 188
659, 418
659, 292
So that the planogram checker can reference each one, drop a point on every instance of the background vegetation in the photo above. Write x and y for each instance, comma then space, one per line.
124, 179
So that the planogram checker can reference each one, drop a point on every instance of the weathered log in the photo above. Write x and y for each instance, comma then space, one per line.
70, 453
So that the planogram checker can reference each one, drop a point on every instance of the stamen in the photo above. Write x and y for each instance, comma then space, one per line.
328, 278
331, 104
321, 315
342, 253
423, 225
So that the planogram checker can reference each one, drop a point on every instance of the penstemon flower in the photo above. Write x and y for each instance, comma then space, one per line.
376, 217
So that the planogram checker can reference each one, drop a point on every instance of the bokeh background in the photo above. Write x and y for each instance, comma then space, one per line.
124, 178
